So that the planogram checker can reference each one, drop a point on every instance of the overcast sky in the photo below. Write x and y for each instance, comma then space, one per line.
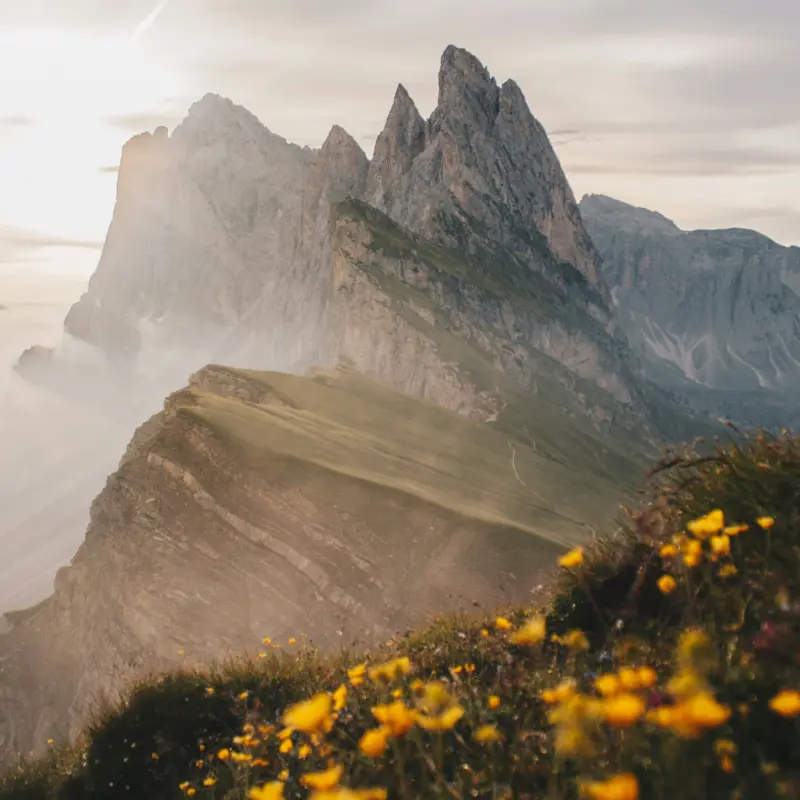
689, 107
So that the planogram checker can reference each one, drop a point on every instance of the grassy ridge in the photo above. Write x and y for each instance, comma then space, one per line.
350, 425
697, 677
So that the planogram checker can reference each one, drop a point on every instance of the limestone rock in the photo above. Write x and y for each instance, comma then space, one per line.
711, 308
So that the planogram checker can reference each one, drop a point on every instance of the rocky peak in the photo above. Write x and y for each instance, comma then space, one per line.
400, 142
466, 90
625, 217
144, 157
482, 158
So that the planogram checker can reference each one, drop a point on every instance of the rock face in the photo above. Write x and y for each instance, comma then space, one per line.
266, 504
718, 308
224, 244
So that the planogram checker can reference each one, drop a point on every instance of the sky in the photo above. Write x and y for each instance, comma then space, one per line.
686, 107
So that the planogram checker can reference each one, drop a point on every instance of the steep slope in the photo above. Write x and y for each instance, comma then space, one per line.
267, 504
719, 308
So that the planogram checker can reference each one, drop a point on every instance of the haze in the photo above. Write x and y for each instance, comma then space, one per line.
681, 106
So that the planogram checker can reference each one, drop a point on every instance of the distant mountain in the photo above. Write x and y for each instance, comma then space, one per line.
714, 309
453, 263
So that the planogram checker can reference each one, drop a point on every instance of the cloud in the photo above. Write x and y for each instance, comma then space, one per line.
146, 121
21, 244
699, 162
15, 122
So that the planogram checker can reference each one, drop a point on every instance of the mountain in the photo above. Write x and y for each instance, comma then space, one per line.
717, 310
426, 390
455, 261
262, 503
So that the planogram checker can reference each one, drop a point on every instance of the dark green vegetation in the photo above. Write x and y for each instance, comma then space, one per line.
165, 731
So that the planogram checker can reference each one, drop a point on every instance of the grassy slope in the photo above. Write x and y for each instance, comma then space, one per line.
350, 425
150, 745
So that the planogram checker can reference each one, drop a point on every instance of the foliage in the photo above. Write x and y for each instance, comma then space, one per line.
666, 664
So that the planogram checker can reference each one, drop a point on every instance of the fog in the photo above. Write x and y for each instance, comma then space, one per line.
60, 441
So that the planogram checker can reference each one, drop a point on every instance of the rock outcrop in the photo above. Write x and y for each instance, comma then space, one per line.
714, 308
223, 244
266, 504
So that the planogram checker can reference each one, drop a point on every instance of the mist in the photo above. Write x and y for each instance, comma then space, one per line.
62, 435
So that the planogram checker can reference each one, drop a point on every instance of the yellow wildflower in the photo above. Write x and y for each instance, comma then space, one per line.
574, 558
374, 742
704, 712
269, 791
356, 674
623, 710
339, 698
708, 525
692, 552
244, 695
786, 703
721, 545
390, 670
209, 781
765, 522
735, 530
310, 716
469, 668
209, 691
727, 571
575, 640
285, 733
667, 584
503, 624
487, 733
629, 679
397, 694
304, 751
266, 640
286, 746
441, 722
607, 685
241, 758
560, 693
494, 701
532, 632
184, 786
484, 633
260, 762
571, 741
325, 780
668, 551
292, 640
397, 717
283, 775
224, 754
191, 791
647, 677
620, 787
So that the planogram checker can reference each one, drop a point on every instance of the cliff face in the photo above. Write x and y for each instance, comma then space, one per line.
265, 504
718, 308
223, 243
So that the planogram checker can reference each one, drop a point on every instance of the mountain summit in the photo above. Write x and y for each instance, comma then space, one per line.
711, 309
232, 245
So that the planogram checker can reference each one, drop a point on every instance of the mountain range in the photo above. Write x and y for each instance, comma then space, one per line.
439, 371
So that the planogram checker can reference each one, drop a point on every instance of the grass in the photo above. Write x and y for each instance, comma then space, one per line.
690, 674
347, 425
